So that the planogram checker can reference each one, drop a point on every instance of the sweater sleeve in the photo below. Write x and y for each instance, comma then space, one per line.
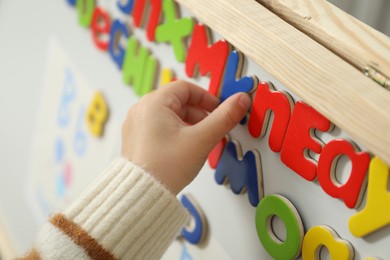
125, 214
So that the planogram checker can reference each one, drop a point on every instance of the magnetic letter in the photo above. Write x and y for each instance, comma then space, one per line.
80, 140
166, 77
376, 214
71, 2
199, 232
277, 205
117, 52
232, 83
351, 192
100, 28
299, 138
126, 6
243, 173
266, 100
97, 114
174, 30
320, 236
69, 93
139, 16
216, 153
139, 68
210, 59
85, 10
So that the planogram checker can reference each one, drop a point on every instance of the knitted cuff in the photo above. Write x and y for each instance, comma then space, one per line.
127, 212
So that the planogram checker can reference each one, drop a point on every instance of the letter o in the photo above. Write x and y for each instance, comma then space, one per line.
277, 205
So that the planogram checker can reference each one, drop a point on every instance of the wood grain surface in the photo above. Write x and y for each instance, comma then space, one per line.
354, 41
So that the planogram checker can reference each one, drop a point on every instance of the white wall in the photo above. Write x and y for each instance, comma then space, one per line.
375, 13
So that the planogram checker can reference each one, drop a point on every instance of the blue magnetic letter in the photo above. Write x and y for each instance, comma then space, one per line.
231, 85
71, 2
194, 236
117, 52
126, 7
241, 173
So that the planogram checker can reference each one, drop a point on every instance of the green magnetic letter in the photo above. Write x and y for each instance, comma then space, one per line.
174, 30
139, 68
277, 205
85, 10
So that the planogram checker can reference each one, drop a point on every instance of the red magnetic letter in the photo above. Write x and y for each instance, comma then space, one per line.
210, 59
299, 138
138, 16
216, 153
264, 102
100, 27
352, 190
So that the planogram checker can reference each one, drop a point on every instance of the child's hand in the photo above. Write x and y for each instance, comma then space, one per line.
170, 132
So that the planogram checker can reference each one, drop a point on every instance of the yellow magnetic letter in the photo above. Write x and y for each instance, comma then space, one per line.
320, 236
376, 214
166, 77
97, 114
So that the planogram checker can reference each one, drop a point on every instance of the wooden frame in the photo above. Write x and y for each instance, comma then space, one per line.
338, 90
352, 40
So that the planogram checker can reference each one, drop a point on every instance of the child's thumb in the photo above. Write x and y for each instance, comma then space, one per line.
224, 118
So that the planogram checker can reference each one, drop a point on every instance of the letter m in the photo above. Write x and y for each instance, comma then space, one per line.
210, 59
242, 172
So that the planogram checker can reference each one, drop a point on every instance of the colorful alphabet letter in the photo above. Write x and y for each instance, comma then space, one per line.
351, 192
117, 52
199, 232
277, 205
97, 115
210, 59
71, 2
139, 14
215, 155
231, 83
126, 7
174, 30
243, 173
166, 76
376, 214
320, 236
139, 67
69, 92
266, 100
299, 138
85, 11
100, 26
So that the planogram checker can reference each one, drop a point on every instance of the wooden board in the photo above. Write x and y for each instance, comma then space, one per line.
334, 87
354, 41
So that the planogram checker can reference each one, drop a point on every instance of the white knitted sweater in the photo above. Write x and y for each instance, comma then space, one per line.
124, 214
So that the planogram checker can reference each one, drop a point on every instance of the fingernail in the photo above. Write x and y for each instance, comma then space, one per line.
244, 101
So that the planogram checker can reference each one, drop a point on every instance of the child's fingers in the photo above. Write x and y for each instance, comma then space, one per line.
193, 115
223, 119
192, 95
